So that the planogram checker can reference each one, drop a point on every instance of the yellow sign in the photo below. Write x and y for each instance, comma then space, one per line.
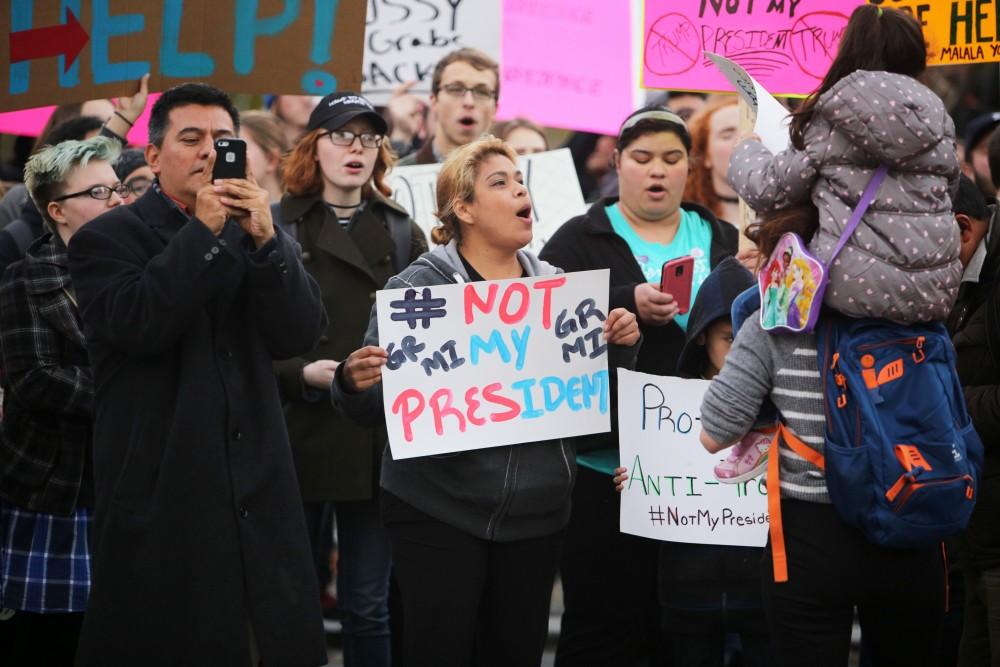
957, 31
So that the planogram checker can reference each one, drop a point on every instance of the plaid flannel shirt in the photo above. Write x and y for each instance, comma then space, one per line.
45, 445
44, 561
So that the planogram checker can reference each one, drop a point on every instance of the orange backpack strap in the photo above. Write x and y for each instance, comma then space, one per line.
778, 556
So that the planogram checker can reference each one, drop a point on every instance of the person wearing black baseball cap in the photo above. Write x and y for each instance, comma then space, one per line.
353, 238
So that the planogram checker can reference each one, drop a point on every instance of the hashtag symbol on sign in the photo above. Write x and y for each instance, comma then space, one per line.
416, 309
656, 516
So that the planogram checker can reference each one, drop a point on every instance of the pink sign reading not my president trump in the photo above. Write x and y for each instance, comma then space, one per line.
786, 45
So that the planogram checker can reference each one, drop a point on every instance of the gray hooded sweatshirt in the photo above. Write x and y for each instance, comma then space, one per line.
499, 493
902, 261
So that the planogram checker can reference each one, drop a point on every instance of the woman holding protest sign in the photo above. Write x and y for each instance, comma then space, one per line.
475, 535
353, 239
633, 236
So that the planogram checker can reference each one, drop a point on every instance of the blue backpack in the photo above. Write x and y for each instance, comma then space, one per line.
902, 459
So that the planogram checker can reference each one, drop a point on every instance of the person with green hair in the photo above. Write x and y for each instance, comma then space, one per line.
46, 478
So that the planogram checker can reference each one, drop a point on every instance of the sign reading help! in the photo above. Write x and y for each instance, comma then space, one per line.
75, 50
672, 493
500, 362
786, 45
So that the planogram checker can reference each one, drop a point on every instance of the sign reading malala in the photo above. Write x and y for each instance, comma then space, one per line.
672, 493
957, 31
483, 364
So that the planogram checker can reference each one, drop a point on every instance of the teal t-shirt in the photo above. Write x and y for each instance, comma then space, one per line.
694, 237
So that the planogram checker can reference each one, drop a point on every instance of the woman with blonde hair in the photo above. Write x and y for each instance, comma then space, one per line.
715, 130
476, 536
353, 239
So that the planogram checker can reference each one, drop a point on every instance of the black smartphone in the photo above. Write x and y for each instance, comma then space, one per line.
230, 159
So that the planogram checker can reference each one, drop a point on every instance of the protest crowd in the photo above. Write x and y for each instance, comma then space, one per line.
228, 427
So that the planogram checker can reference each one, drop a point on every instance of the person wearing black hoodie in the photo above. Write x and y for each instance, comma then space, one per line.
707, 590
632, 236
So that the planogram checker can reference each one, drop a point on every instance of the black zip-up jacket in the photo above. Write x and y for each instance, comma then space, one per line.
588, 242
504, 493
974, 325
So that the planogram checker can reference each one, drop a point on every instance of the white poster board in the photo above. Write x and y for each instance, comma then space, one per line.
772, 119
494, 363
550, 178
404, 39
672, 493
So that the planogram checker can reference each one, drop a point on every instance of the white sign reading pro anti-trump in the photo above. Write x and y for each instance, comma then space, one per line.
491, 363
672, 493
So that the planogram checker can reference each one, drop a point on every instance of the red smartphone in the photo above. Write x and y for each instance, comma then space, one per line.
676, 281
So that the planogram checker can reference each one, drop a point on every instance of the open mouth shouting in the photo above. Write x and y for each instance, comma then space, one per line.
524, 214
656, 191
354, 167
467, 122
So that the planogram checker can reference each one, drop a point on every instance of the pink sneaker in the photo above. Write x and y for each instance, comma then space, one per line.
747, 460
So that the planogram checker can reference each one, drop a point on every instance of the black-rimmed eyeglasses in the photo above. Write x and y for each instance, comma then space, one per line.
102, 192
346, 138
480, 93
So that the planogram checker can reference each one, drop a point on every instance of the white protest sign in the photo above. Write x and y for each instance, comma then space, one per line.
672, 493
772, 119
483, 364
404, 39
550, 178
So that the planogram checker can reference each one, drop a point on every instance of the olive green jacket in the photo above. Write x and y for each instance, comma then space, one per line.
334, 458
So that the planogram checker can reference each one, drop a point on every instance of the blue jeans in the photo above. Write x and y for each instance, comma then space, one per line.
363, 584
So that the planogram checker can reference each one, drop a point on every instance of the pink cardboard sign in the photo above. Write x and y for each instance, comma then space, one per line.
30, 122
786, 45
567, 63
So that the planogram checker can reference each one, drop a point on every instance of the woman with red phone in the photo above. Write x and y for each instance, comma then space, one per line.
635, 236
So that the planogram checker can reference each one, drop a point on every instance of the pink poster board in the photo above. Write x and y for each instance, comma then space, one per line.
567, 63
29, 122
787, 45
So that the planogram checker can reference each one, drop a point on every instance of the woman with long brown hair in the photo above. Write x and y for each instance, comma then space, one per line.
353, 239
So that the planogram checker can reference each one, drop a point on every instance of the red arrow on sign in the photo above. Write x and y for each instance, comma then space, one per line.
58, 40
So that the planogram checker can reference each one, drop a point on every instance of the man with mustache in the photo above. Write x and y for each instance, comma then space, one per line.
186, 295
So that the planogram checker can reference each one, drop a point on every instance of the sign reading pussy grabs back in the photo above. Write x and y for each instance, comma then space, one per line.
483, 364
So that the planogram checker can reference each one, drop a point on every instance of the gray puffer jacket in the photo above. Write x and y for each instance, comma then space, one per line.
902, 261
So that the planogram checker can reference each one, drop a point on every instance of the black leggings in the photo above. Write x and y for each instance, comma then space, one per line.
468, 601
899, 593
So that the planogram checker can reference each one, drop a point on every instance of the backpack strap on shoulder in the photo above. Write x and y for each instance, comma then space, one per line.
402, 236
779, 558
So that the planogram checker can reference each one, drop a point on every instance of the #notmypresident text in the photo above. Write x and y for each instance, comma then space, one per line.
494, 363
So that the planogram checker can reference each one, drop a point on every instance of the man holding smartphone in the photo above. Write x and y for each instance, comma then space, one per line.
200, 548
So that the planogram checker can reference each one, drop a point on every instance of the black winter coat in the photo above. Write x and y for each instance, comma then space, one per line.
198, 533
975, 328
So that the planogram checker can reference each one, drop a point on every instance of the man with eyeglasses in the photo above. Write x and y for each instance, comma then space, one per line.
465, 88
187, 295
